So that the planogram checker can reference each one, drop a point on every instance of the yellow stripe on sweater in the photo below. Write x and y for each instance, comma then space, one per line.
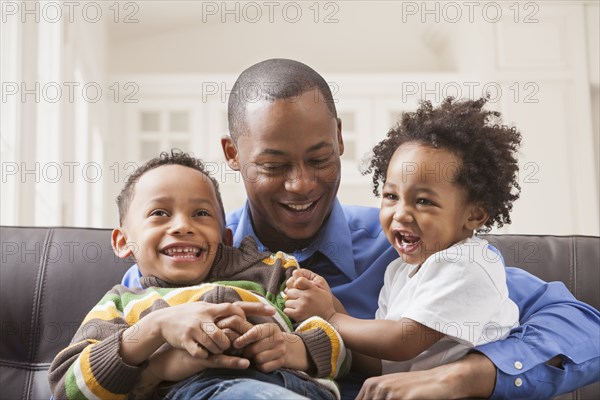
287, 261
334, 338
105, 312
86, 381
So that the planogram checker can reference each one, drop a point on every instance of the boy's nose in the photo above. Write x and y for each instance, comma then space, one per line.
181, 225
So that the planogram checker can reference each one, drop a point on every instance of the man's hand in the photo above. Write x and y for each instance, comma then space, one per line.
472, 376
308, 295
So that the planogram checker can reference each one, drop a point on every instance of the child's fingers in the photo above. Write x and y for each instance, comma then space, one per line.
255, 334
235, 323
303, 273
290, 282
255, 308
195, 349
303, 283
269, 360
320, 282
225, 361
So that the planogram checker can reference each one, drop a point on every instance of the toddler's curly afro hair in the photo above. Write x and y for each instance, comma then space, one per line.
489, 170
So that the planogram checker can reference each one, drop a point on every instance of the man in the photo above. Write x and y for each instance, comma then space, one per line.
286, 140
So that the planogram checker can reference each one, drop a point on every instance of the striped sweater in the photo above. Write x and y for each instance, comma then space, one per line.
90, 367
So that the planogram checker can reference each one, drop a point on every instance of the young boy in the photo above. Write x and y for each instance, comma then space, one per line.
446, 173
172, 224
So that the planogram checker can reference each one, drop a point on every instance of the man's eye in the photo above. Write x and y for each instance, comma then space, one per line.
272, 167
159, 213
320, 162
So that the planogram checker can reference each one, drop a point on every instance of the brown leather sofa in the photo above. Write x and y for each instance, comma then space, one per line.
51, 277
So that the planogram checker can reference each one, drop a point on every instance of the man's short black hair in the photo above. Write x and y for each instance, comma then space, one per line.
487, 150
176, 157
273, 79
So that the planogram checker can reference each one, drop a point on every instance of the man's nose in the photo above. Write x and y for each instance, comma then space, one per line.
301, 179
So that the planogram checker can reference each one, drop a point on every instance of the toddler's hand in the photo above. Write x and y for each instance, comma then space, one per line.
308, 294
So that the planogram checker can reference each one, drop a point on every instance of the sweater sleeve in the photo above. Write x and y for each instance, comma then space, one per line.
325, 348
91, 366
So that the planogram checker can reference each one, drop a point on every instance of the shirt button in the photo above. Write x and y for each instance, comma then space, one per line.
518, 382
518, 365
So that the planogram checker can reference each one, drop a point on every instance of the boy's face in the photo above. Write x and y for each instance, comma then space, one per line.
423, 210
173, 225
290, 161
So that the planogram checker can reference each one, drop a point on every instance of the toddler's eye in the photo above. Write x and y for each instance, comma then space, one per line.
390, 196
424, 202
159, 213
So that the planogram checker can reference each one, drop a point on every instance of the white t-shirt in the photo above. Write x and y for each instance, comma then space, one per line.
460, 292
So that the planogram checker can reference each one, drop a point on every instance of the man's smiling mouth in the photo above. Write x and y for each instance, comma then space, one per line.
300, 207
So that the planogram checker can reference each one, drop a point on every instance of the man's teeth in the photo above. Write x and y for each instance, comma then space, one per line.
174, 250
300, 207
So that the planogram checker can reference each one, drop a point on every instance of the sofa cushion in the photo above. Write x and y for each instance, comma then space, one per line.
51, 277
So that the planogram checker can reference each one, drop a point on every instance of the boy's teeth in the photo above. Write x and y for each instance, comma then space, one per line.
300, 207
173, 250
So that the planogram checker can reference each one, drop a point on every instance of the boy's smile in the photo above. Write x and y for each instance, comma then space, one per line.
423, 209
173, 225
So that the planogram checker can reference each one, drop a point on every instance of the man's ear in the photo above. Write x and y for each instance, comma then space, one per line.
339, 136
227, 237
230, 152
119, 243
476, 218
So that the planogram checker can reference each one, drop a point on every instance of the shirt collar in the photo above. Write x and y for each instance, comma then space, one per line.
333, 240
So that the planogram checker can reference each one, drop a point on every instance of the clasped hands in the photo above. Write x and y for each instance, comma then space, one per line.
201, 335
308, 295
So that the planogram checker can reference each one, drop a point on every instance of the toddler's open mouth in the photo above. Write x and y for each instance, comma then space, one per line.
407, 243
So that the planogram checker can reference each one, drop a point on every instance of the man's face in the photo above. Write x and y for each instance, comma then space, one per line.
289, 158
173, 225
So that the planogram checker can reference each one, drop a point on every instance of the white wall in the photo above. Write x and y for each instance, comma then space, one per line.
375, 52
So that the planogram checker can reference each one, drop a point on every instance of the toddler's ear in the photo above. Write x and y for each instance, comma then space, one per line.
227, 237
477, 218
119, 243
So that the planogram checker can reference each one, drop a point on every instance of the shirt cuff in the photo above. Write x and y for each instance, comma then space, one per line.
512, 358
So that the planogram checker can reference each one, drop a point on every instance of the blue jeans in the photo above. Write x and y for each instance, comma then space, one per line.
228, 384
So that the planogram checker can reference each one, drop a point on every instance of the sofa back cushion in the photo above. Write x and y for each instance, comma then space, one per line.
51, 277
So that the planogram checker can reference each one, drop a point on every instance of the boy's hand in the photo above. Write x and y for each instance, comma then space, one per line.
172, 364
308, 294
270, 348
192, 326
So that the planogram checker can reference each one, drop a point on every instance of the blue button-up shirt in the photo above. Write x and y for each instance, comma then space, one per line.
353, 254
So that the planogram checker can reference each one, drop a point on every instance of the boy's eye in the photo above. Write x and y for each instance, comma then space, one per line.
159, 213
202, 213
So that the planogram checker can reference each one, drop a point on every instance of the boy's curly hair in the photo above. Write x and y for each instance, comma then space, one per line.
487, 149
176, 157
